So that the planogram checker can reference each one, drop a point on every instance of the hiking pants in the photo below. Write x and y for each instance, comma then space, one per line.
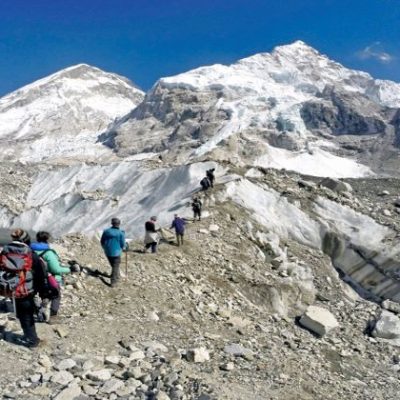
197, 213
179, 238
55, 303
115, 263
25, 309
153, 247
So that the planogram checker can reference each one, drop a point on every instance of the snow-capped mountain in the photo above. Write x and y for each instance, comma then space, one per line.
63, 114
293, 108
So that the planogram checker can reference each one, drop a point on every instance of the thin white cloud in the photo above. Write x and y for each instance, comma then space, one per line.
375, 51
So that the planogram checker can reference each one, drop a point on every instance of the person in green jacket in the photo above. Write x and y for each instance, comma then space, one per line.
42, 249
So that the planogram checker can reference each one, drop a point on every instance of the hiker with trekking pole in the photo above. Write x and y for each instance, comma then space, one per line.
113, 243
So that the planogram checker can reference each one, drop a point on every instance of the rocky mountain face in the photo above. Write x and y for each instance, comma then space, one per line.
74, 105
255, 110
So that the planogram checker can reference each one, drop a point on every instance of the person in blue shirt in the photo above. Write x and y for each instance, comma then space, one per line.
113, 243
179, 225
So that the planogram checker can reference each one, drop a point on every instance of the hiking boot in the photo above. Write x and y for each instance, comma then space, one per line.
54, 320
36, 344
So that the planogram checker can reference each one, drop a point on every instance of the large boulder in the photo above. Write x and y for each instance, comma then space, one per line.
318, 320
387, 326
336, 185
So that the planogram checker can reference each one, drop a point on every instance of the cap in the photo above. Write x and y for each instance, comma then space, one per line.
20, 235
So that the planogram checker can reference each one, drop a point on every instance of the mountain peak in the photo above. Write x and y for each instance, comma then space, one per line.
296, 49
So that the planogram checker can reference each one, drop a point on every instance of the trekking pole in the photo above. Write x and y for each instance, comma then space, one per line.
14, 305
126, 265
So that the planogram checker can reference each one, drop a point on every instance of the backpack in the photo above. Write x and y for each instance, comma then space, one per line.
16, 275
205, 183
196, 205
51, 287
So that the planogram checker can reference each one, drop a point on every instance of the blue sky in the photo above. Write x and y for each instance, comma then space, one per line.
147, 39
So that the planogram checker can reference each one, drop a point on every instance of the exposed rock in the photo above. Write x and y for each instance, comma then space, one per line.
318, 320
198, 355
387, 326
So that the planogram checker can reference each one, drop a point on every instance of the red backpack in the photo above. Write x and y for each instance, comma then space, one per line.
16, 276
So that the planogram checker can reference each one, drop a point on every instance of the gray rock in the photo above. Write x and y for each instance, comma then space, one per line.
101, 375
198, 355
62, 377
111, 386
319, 320
65, 364
336, 185
387, 326
70, 393
237, 350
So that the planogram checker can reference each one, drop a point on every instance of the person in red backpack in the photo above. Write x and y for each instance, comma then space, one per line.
33, 280
54, 267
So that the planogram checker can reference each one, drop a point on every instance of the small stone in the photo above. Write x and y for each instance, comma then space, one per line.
62, 377
152, 316
111, 386
213, 228
101, 375
162, 396
227, 367
112, 360
61, 331
237, 350
387, 213
89, 390
198, 355
137, 355
65, 364
35, 378
70, 393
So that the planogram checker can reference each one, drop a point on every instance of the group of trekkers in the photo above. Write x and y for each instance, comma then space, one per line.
31, 273
113, 238
27, 269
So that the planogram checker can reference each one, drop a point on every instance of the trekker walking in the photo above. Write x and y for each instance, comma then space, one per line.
42, 248
196, 207
205, 184
210, 176
179, 225
151, 236
113, 243
22, 276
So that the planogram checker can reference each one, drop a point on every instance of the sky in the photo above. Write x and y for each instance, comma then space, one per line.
145, 40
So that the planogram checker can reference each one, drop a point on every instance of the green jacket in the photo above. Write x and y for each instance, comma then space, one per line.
53, 263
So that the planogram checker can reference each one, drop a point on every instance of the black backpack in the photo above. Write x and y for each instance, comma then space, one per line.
51, 288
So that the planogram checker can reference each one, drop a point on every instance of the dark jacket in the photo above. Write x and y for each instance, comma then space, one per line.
210, 175
196, 205
113, 241
179, 225
150, 226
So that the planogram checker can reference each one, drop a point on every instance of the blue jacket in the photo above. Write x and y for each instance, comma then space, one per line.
179, 225
113, 241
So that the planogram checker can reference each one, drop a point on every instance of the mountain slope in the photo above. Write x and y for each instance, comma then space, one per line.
292, 99
63, 114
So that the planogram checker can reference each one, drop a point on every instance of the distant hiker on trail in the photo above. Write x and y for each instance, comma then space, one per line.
152, 236
113, 243
54, 267
21, 277
179, 225
210, 176
205, 184
196, 207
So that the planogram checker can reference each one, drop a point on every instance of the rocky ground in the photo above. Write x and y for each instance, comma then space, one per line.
217, 318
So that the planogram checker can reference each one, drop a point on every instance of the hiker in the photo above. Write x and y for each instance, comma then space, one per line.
210, 176
179, 225
205, 184
151, 237
113, 243
42, 248
196, 207
30, 281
